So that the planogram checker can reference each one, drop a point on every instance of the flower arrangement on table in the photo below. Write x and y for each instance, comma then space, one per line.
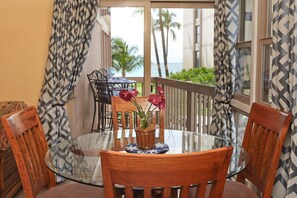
155, 100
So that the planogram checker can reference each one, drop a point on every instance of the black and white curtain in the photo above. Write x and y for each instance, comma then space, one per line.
225, 38
69, 43
284, 90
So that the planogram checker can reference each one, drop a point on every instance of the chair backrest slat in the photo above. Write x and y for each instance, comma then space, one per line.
153, 170
264, 137
26, 136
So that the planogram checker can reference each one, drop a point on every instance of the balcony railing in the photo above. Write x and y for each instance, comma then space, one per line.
189, 106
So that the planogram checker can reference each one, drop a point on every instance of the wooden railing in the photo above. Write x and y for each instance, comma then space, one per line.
189, 106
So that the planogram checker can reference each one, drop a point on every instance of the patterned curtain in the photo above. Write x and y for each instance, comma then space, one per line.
225, 38
72, 23
105, 40
284, 89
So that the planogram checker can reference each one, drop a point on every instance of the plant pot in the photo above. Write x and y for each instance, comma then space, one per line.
145, 138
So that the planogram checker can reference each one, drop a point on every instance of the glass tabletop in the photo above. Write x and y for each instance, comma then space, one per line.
78, 159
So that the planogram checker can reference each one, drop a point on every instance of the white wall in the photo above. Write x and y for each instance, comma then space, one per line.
25, 28
207, 37
188, 39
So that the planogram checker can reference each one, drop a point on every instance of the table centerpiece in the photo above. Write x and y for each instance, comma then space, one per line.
145, 133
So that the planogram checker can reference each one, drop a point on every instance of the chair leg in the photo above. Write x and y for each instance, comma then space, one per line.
110, 122
104, 117
109, 118
100, 116
94, 115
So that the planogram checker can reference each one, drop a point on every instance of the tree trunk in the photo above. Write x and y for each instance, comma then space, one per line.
166, 53
163, 42
156, 53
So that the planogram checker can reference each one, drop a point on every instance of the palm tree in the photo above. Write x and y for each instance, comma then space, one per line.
124, 57
154, 25
156, 47
161, 27
167, 21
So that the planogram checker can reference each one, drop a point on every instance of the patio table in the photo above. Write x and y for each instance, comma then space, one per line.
118, 83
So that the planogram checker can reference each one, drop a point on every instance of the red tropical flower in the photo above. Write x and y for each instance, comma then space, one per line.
160, 91
158, 100
134, 93
161, 105
154, 99
126, 95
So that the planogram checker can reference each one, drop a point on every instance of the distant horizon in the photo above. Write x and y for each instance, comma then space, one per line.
175, 67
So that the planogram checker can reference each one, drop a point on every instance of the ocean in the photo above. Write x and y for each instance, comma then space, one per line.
173, 67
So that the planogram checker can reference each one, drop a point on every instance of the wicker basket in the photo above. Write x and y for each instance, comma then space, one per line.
145, 138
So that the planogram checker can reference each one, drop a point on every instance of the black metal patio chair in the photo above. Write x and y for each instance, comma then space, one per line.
102, 98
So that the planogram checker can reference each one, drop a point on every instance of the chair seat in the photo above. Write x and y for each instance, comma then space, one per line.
239, 190
233, 189
74, 190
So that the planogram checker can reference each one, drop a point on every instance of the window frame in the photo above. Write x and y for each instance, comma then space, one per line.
259, 38
263, 40
148, 5
241, 43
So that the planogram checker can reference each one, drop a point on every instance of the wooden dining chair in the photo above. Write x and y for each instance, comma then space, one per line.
264, 137
157, 171
121, 107
26, 136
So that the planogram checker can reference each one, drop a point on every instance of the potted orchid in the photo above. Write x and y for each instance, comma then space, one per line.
155, 100
145, 134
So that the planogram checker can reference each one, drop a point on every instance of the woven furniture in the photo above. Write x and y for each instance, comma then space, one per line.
166, 171
10, 181
26, 137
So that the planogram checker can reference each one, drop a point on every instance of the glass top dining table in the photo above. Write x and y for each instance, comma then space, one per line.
78, 159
